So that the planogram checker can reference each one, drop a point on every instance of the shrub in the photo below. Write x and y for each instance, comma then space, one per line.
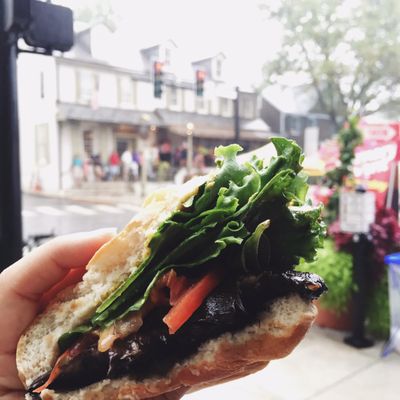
336, 268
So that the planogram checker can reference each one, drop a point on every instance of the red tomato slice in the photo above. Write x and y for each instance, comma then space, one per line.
191, 300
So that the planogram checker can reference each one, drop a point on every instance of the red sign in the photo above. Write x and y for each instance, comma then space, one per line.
377, 156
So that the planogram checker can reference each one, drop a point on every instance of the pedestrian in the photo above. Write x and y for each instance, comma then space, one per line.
114, 163
77, 170
98, 167
126, 159
88, 169
23, 288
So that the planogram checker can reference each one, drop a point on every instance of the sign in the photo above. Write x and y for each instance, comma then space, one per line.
356, 211
376, 156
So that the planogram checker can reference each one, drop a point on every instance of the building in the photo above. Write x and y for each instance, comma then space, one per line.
81, 104
293, 112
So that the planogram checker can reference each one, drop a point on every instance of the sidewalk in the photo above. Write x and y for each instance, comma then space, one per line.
322, 367
107, 192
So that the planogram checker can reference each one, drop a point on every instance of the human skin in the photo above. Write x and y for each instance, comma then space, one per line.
24, 288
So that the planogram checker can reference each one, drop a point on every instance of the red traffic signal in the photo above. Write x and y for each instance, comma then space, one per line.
200, 78
158, 79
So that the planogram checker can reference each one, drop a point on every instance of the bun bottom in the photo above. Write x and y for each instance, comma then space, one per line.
228, 357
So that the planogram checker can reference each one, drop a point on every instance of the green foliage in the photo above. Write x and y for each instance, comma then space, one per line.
349, 138
336, 268
347, 52
378, 314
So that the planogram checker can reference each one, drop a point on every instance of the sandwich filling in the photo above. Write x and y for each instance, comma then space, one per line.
213, 267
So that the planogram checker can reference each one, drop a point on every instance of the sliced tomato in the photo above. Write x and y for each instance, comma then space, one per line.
191, 300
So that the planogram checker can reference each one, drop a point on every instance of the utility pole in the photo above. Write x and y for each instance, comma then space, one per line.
10, 187
236, 116
45, 27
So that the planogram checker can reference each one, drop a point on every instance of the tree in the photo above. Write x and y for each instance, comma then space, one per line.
96, 11
348, 52
349, 137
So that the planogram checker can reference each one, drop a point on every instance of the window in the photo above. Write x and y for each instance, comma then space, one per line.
88, 86
172, 95
126, 91
201, 105
42, 151
293, 125
226, 107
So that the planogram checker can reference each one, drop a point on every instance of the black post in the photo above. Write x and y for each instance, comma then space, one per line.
10, 188
360, 251
236, 116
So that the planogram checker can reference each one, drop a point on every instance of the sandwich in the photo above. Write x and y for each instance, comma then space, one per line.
200, 288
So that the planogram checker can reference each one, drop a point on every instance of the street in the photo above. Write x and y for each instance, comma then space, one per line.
43, 215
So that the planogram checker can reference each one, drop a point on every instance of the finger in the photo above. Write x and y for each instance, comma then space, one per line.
22, 284
73, 276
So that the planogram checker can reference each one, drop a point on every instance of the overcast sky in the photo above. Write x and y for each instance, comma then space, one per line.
201, 29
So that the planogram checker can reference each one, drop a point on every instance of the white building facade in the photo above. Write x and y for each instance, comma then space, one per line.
78, 105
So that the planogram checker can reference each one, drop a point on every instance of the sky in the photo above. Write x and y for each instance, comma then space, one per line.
201, 29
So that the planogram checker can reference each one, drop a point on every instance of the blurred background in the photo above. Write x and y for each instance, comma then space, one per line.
135, 95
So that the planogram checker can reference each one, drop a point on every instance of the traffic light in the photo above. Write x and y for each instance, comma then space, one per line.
200, 76
158, 79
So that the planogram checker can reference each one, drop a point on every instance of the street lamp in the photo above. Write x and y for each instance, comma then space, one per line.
189, 134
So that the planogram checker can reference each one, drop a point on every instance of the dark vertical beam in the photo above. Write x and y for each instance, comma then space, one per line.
236, 116
360, 296
10, 187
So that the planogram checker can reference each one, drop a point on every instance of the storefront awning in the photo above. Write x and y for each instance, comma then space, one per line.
76, 112
213, 126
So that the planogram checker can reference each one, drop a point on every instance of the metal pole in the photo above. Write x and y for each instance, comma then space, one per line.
189, 161
358, 338
236, 116
10, 188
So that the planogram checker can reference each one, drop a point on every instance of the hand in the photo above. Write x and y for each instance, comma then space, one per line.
25, 286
